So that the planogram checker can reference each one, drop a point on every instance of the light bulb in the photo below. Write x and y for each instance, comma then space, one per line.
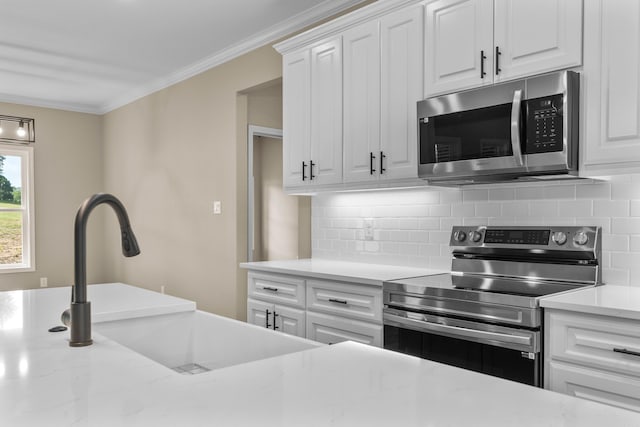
1, 129
21, 132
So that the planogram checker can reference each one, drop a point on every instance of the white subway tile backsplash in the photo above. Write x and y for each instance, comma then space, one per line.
611, 208
475, 195
502, 194
599, 190
488, 209
412, 227
573, 208
541, 208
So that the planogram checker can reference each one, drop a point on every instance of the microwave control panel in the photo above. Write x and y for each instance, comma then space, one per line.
544, 123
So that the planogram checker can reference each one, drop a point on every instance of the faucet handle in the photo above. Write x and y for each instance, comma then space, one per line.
66, 317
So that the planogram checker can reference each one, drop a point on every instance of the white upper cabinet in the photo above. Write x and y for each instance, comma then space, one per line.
312, 115
611, 88
401, 88
470, 43
361, 102
535, 37
355, 121
458, 45
382, 83
326, 113
296, 110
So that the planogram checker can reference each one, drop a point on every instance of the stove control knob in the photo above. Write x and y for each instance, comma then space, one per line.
559, 238
459, 236
475, 236
581, 238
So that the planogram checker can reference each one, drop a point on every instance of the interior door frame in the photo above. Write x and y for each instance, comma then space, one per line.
254, 131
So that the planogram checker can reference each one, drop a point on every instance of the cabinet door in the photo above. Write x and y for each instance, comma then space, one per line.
457, 32
611, 81
401, 88
537, 36
361, 137
329, 329
296, 90
326, 113
290, 320
257, 313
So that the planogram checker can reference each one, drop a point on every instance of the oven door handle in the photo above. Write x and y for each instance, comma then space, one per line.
516, 108
423, 324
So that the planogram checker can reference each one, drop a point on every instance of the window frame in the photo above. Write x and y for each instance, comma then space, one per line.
27, 208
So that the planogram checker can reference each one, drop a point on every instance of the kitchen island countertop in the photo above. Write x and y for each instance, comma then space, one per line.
43, 381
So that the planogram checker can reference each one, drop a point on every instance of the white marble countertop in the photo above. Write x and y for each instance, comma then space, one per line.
606, 300
43, 381
345, 271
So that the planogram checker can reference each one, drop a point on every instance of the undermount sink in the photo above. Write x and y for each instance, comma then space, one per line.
194, 341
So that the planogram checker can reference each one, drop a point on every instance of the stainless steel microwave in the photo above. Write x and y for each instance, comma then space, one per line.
519, 129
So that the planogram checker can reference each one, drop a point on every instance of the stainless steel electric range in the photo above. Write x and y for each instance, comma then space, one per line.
485, 315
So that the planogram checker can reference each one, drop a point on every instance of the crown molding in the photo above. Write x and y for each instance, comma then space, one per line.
342, 23
43, 103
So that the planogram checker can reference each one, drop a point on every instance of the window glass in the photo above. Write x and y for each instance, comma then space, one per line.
16, 228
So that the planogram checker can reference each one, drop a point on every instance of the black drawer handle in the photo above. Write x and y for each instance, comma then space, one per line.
269, 288
266, 319
625, 351
274, 320
338, 301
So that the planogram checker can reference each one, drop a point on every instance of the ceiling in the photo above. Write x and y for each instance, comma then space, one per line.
95, 56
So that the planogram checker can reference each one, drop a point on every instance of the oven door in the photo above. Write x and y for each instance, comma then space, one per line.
509, 353
473, 133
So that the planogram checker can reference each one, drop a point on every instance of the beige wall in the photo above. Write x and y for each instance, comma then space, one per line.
68, 169
168, 156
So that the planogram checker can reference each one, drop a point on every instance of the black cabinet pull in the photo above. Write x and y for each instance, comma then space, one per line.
625, 351
498, 53
269, 288
371, 159
274, 320
311, 165
338, 301
304, 167
482, 58
382, 157
266, 319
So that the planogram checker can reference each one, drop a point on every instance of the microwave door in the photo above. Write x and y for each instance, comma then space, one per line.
473, 143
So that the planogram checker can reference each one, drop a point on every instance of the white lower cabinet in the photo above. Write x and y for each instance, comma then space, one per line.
329, 329
277, 317
321, 310
593, 357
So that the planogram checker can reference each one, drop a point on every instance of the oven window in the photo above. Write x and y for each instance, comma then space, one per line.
497, 361
473, 134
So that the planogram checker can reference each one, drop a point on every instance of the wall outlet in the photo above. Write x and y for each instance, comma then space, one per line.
368, 229
217, 207
162, 289
43, 282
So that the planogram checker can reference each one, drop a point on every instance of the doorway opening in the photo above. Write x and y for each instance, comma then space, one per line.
279, 225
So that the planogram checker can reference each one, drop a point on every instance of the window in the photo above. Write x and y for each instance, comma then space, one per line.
16, 209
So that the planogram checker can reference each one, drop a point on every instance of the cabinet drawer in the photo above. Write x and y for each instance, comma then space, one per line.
329, 329
591, 384
356, 301
595, 341
277, 289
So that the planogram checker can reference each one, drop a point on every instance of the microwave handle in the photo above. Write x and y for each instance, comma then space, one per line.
516, 107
